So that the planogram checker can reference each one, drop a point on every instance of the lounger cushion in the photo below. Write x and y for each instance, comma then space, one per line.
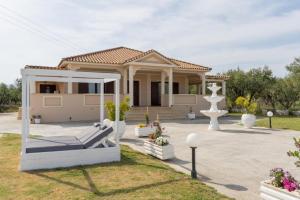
47, 144
89, 140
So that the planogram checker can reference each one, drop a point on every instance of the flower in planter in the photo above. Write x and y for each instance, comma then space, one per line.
158, 132
161, 141
142, 125
289, 182
283, 179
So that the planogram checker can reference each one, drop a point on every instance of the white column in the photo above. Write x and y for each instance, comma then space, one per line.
162, 82
199, 89
162, 87
117, 104
148, 80
203, 84
131, 74
32, 87
170, 87
125, 74
70, 87
101, 102
224, 88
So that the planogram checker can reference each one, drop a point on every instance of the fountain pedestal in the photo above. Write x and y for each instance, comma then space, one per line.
214, 112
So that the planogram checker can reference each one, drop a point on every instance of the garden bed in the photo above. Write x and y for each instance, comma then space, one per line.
267, 191
162, 152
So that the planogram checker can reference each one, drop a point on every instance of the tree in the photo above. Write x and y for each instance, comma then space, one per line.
254, 83
294, 67
4, 95
259, 80
236, 85
286, 92
269, 96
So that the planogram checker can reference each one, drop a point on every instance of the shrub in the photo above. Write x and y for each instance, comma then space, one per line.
111, 110
296, 153
248, 107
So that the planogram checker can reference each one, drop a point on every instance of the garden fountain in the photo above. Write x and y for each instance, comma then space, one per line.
214, 112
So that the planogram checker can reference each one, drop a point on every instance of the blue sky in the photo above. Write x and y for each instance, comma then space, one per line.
222, 34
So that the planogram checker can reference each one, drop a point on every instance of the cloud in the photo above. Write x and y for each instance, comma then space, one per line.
218, 33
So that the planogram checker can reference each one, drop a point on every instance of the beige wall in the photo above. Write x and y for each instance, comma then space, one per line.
60, 107
85, 107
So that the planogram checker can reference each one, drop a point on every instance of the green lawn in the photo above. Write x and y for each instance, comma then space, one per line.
137, 176
285, 122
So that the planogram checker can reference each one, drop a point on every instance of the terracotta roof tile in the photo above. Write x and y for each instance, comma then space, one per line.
43, 67
121, 55
223, 77
146, 53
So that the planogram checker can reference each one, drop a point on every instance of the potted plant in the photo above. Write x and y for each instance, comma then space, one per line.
142, 130
282, 185
159, 146
249, 108
191, 114
111, 112
36, 119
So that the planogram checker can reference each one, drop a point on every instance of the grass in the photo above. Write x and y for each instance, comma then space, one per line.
137, 176
281, 122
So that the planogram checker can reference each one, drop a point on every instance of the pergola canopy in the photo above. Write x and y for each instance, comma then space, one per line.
29, 75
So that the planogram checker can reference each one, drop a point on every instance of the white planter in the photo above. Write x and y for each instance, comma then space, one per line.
121, 128
248, 120
144, 132
161, 152
269, 192
37, 120
191, 115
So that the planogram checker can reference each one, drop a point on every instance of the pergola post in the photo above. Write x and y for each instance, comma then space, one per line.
170, 87
101, 84
24, 113
117, 109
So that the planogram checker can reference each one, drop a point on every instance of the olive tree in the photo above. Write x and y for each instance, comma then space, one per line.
287, 93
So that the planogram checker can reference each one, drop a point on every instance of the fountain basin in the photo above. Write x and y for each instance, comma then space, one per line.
214, 123
214, 99
210, 113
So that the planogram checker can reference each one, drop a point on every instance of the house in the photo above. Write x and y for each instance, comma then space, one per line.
145, 78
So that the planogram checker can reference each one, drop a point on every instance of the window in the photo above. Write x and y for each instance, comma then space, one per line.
93, 88
175, 88
47, 88
109, 88
84, 88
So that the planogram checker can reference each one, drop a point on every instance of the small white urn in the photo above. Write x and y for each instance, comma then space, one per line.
121, 127
248, 120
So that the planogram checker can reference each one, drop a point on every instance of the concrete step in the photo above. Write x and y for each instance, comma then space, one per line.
138, 113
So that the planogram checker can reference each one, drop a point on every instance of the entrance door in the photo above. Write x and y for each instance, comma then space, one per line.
136, 93
155, 94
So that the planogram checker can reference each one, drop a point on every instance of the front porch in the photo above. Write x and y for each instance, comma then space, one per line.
150, 88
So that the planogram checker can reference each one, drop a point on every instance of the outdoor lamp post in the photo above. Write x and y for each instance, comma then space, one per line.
192, 140
270, 115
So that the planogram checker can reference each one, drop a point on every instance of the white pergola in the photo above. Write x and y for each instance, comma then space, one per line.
32, 75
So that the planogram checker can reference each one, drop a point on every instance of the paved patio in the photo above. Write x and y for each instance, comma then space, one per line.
233, 160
